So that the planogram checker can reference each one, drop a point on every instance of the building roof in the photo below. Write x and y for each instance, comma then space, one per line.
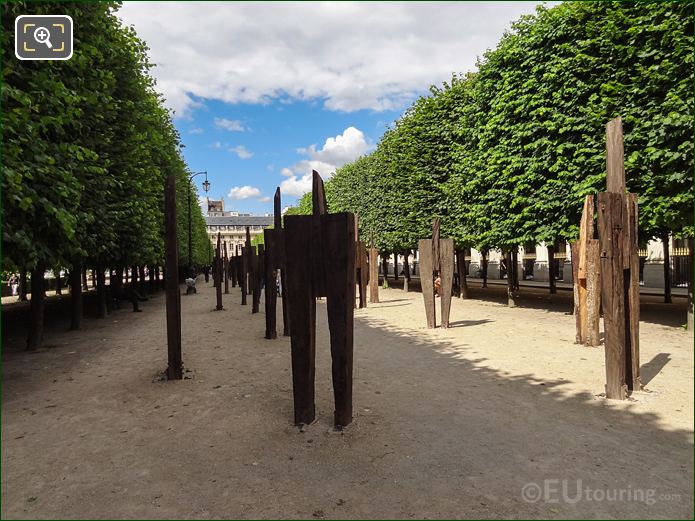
239, 220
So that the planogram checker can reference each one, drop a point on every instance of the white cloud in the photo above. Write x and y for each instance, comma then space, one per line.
215, 144
349, 55
196, 130
296, 186
336, 152
264, 199
232, 125
241, 152
244, 192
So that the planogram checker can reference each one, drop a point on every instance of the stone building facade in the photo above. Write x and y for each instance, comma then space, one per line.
232, 226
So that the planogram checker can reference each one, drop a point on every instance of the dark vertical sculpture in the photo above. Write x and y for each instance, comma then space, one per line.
218, 273
320, 262
250, 251
173, 295
243, 279
274, 265
232, 269
270, 285
225, 270
257, 277
617, 226
436, 262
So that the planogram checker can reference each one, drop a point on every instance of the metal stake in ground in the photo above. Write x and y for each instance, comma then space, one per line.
173, 293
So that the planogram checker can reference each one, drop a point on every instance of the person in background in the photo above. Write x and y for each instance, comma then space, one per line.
14, 284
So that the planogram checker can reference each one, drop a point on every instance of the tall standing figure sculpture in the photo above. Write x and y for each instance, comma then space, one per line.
436, 274
617, 231
274, 267
320, 262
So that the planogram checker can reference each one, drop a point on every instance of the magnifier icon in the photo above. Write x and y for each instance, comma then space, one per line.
42, 35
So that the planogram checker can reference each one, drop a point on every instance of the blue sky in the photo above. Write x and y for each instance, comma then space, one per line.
271, 135
264, 92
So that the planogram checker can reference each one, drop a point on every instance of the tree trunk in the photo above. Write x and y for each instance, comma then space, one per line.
551, 269
100, 277
152, 281
461, 271
38, 304
395, 266
484, 260
511, 294
23, 285
667, 268
84, 279
117, 282
690, 284
59, 283
76, 307
406, 271
143, 281
385, 269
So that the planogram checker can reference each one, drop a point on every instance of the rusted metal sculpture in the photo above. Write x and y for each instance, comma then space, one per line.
617, 230
274, 265
436, 270
320, 262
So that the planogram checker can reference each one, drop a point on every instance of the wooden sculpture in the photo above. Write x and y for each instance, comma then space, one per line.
320, 262
436, 269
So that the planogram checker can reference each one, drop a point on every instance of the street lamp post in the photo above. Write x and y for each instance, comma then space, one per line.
206, 187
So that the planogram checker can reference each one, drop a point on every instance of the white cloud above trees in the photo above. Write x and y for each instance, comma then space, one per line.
349, 55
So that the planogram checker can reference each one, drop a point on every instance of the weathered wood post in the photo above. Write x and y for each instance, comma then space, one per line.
373, 274
173, 293
225, 271
587, 281
232, 268
250, 252
617, 222
243, 279
436, 262
270, 284
218, 273
320, 260
257, 277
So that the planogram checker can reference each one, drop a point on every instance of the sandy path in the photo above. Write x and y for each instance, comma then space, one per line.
448, 423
